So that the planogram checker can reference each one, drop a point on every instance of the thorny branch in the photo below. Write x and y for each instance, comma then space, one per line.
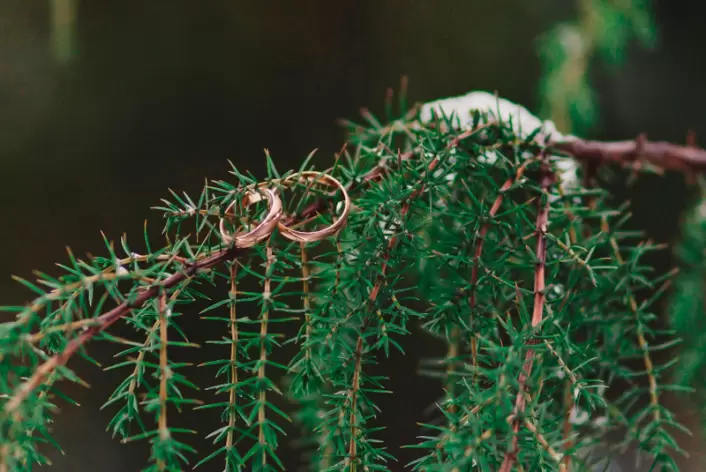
105, 320
263, 358
232, 394
537, 314
376, 290
479, 246
642, 342
163, 370
354, 402
661, 154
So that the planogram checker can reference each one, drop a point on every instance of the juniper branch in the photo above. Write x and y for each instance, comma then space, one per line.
402, 193
537, 314
262, 400
661, 154
479, 246
163, 372
232, 394
107, 319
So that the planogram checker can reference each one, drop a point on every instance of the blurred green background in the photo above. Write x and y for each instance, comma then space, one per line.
104, 105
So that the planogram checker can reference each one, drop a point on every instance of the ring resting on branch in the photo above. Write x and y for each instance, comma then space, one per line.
664, 155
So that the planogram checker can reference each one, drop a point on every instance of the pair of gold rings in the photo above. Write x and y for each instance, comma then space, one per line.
275, 211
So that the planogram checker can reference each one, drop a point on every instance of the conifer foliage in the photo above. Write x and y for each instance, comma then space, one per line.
535, 285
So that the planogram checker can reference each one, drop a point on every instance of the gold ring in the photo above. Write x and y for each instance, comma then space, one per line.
264, 228
332, 229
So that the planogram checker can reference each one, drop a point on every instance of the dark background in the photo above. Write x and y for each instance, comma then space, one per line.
160, 93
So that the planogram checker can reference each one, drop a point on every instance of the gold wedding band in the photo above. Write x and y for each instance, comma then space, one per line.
264, 228
332, 229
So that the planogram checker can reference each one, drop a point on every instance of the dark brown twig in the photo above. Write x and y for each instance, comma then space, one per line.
658, 153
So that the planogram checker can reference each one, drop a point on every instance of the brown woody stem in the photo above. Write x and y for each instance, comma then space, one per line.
232, 396
305, 298
263, 358
537, 314
658, 153
354, 403
163, 371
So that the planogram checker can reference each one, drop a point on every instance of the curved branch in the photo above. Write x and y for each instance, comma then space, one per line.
661, 154
658, 153
104, 321
107, 319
